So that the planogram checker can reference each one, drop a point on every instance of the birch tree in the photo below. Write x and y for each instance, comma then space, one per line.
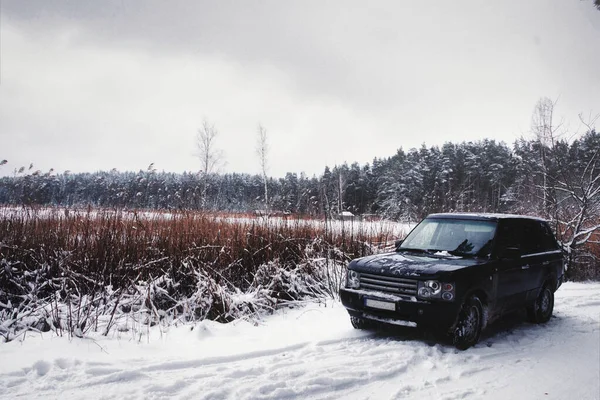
211, 157
262, 151
544, 131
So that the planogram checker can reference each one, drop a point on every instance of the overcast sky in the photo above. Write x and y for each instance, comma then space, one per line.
95, 85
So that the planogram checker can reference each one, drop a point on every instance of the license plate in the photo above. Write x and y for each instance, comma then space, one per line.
382, 305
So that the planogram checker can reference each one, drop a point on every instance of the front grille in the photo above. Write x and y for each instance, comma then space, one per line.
388, 284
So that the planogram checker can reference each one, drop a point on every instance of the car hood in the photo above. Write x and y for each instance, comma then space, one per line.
407, 264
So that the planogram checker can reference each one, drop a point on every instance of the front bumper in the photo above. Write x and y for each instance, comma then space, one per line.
406, 310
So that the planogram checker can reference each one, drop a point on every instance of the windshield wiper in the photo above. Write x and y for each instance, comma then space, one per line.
460, 253
482, 252
411, 249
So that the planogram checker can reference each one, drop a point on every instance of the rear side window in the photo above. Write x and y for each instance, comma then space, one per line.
549, 241
530, 236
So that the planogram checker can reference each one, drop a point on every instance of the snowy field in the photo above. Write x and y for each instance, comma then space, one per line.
395, 229
373, 228
314, 353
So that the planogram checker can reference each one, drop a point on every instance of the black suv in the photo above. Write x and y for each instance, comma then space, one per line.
455, 273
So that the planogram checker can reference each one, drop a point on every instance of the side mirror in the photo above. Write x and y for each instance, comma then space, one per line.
397, 243
511, 253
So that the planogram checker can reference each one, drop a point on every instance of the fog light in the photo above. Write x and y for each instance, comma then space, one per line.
447, 296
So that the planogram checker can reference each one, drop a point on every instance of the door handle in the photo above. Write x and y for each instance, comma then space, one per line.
525, 266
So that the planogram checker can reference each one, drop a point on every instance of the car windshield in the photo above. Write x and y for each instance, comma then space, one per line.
461, 237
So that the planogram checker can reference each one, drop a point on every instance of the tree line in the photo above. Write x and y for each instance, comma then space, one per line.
481, 176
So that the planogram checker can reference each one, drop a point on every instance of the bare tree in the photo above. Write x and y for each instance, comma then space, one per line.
569, 185
542, 127
262, 150
576, 183
542, 120
211, 158
341, 190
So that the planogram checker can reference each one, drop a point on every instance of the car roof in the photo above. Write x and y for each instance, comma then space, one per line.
483, 216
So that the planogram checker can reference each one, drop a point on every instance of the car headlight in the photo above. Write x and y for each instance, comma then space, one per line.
352, 279
436, 290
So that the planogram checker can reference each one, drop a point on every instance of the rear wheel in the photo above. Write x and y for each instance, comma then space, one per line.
469, 324
541, 311
361, 323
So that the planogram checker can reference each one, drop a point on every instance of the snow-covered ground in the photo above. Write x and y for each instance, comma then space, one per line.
374, 228
396, 228
313, 352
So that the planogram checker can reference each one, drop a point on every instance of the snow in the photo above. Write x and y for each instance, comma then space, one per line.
397, 229
313, 352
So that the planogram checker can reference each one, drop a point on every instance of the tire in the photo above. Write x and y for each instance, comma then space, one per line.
361, 323
469, 324
541, 310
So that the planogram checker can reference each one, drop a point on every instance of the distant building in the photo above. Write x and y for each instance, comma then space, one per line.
345, 216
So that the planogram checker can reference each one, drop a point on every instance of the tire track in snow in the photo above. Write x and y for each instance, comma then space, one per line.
289, 375
177, 365
340, 368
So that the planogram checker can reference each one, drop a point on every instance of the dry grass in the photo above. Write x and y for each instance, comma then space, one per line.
83, 267
115, 246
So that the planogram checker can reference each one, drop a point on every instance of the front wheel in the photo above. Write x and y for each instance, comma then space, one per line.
361, 323
541, 311
469, 324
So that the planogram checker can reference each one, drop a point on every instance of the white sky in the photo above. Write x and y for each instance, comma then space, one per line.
88, 85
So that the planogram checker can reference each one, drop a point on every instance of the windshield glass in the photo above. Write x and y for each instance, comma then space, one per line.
454, 236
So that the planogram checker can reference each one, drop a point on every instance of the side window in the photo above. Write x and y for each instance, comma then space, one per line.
538, 238
532, 238
529, 235
549, 242
509, 234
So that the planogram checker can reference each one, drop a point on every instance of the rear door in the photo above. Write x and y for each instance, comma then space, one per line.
510, 273
541, 254
533, 255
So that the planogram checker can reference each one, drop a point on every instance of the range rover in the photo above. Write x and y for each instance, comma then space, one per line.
455, 273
